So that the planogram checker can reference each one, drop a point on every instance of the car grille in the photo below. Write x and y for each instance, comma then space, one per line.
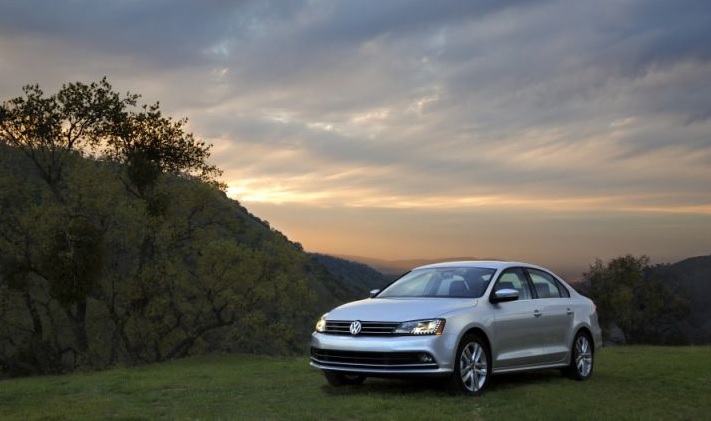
373, 360
342, 327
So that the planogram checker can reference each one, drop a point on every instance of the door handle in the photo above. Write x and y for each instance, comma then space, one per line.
537, 313
569, 312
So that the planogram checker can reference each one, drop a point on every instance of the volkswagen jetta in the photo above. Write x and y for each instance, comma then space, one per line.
463, 321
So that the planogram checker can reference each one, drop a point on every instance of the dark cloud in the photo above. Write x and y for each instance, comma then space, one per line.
387, 103
165, 31
353, 23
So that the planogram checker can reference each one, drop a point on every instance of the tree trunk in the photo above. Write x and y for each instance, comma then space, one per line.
34, 315
78, 320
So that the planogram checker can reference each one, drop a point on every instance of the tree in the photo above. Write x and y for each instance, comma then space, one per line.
50, 129
93, 119
149, 144
641, 304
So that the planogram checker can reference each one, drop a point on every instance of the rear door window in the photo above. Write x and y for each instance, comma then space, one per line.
545, 285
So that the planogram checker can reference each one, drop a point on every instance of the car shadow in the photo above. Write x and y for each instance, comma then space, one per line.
417, 385
514, 380
389, 386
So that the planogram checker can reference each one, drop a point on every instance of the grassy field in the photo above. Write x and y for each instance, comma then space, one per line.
628, 383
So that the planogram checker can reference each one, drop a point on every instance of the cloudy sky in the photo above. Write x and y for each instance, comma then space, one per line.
550, 131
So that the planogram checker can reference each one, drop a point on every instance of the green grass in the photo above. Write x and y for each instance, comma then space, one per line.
628, 383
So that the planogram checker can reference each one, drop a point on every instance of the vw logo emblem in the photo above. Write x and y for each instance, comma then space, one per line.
355, 327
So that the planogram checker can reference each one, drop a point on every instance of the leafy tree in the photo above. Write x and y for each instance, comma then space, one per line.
94, 119
150, 144
49, 129
642, 305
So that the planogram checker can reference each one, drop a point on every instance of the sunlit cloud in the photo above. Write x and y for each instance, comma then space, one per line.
270, 191
525, 113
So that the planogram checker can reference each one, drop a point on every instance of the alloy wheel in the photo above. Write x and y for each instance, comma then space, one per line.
583, 356
473, 366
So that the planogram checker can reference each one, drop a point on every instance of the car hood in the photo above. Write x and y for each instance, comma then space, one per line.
399, 309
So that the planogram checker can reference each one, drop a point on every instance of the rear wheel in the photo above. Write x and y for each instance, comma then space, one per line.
471, 366
581, 358
343, 379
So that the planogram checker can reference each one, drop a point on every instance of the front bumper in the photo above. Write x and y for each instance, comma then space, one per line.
427, 354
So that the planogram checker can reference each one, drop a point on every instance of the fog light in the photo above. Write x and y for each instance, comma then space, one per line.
426, 358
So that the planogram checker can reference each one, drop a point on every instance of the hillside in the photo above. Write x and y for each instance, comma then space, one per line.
692, 278
360, 277
93, 274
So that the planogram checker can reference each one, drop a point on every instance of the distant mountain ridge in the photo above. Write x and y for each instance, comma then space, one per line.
394, 268
397, 267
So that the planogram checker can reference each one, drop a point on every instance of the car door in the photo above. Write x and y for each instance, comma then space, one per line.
555, 305
517, 327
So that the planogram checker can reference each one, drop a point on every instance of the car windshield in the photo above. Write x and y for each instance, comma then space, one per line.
470, 282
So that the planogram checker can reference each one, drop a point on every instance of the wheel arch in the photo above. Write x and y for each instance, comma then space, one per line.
586, 331
480, 333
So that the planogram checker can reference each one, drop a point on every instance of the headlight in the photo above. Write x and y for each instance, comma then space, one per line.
421, 327
321, 324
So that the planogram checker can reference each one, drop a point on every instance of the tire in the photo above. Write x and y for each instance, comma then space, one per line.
472, 366
337, 379
581, 358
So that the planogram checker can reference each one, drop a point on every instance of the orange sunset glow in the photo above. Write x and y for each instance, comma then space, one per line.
554, 132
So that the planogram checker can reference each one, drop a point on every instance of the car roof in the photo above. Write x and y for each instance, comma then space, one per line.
488, 264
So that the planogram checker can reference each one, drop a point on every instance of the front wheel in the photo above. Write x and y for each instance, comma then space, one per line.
471, 367
343, 379
581, 358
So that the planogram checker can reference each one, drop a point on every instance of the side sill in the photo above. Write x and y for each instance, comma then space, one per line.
527, 368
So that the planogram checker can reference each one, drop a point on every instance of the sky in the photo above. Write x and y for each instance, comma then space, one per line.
554, 132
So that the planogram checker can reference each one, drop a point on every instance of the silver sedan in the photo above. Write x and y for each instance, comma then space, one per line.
463, 321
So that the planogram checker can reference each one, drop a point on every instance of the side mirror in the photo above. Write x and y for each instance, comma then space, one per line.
374, 292
503, 295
